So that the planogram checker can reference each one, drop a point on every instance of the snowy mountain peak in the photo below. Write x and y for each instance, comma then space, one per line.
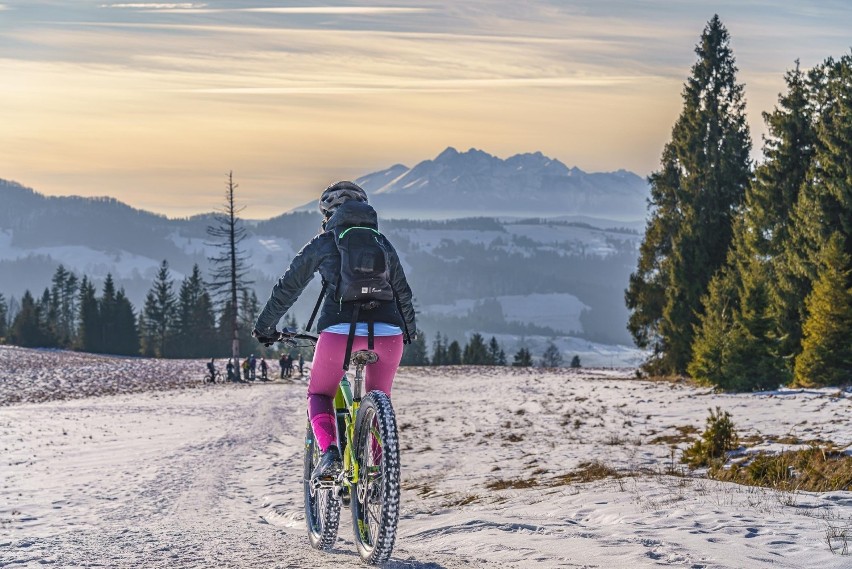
476, 183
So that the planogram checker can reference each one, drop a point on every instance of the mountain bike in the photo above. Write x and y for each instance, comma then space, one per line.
369, 483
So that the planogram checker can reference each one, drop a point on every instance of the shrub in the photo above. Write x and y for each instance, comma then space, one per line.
718, 438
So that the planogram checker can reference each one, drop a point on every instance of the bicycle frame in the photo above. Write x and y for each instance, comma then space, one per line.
347, 401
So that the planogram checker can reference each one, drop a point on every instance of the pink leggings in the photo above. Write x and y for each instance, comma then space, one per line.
327, 371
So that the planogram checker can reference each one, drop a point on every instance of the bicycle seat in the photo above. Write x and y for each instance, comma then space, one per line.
364, 357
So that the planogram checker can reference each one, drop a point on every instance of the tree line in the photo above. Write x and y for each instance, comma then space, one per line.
744, 275
476, 352
177, 320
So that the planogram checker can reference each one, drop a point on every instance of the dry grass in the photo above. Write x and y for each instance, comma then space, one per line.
684, 435
812, 470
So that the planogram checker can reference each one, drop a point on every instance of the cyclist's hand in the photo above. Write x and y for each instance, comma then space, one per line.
264, 339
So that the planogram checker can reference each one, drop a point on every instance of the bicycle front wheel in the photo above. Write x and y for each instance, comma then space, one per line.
375, 504
322, 508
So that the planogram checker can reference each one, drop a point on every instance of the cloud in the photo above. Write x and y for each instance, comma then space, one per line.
192, 8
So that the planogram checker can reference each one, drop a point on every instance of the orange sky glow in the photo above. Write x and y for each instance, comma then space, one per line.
153, 103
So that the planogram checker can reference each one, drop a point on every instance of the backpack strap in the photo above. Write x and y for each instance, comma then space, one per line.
351, 339
317, 306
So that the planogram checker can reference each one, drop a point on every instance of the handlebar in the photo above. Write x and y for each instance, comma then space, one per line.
287, 335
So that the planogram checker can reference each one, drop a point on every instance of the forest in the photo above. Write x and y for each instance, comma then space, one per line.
743, 278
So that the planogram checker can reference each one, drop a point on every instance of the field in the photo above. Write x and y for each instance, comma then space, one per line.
119, 462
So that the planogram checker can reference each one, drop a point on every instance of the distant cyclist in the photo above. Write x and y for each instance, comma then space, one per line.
382, 320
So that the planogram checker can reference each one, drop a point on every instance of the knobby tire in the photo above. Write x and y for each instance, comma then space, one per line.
322, 509
375, 500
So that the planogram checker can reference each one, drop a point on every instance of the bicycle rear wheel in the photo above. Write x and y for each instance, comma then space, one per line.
322, 508
375, 503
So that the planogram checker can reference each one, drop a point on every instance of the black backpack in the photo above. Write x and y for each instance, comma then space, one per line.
364, 279
364, 271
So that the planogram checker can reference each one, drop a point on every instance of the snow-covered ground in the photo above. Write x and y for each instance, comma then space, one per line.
211, 476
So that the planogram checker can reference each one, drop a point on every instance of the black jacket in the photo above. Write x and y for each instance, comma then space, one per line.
321, 255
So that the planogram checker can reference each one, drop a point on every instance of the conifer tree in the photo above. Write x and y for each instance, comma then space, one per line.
89, 335
26, 328
108, 311
454, 354
694, 197
159, 315
523, 358
552, 357
494, 351
47, 316
439, 351
126, 340
824, 204
414, 353
475, 351
195, 323
63, 294
826, 357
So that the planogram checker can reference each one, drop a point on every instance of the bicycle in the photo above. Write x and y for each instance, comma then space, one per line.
369, 483
217, 378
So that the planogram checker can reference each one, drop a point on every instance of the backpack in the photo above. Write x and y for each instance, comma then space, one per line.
364, 279
364, 271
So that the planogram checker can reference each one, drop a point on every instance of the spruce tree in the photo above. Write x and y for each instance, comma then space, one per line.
26, 329
439, 351
414, 353
454, 354
552, 357
523, 358
493, 351
89, 334
126, 341
47, 316
824, 204
63, 294
195, 324
475, 351
694, 197
159, 315
108, 310
826, 357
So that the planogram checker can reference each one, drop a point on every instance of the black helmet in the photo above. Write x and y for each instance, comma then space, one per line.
337, 193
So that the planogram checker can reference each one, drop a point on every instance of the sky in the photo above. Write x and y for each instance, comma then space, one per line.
155, 102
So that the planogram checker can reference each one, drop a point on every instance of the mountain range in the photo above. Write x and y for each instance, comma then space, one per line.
475, 183
522, 278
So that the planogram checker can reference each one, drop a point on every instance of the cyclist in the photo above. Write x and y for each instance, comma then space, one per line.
343, 204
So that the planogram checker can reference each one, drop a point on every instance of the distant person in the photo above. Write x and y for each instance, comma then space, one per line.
230, 369
301, 365
253, 367
289, 364
282, 361
211, 367
263, 369
246, 368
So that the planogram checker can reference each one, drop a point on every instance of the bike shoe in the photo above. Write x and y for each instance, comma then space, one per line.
329, 465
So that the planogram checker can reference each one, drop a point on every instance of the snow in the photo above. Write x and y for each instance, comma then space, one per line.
84, 259
211, 476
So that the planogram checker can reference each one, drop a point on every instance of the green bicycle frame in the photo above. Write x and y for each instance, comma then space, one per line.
346, 409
